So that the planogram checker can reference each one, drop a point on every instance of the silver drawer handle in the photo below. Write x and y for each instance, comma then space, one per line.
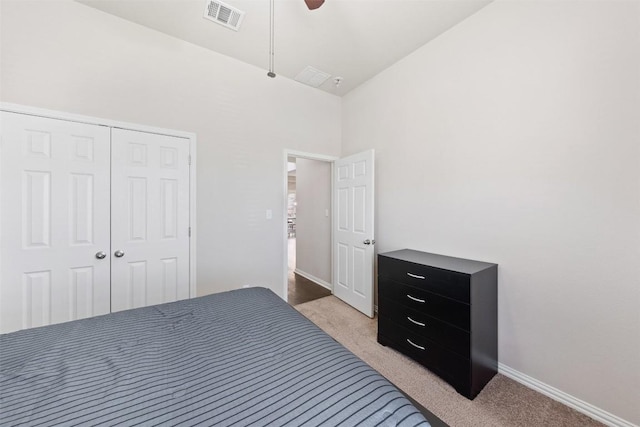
415, 321
416, 299
415, 276
415, 345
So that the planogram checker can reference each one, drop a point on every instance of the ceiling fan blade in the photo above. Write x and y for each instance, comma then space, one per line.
313, 4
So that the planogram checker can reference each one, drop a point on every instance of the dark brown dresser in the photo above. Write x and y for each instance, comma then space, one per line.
442, 312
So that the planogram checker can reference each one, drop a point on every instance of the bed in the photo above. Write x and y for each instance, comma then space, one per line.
242, 357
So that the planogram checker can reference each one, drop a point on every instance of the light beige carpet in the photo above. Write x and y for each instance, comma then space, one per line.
503, 402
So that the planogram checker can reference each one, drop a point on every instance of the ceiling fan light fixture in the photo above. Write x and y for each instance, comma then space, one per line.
313, 4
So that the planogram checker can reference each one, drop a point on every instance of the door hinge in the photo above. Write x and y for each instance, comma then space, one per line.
189, 159
189, 231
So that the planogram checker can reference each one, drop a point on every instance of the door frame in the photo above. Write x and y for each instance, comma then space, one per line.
60, 115
285, 244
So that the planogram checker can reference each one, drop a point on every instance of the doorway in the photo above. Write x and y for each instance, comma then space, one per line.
351, 221
308, 227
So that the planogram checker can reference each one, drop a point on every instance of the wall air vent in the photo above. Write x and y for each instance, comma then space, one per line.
312, 76
223, 14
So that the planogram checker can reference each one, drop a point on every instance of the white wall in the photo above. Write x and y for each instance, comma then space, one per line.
65, 56
515, 138
313, 227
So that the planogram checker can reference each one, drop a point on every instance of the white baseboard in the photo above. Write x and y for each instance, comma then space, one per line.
564, 398
314, 279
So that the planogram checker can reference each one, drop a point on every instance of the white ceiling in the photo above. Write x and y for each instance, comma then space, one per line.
353, 39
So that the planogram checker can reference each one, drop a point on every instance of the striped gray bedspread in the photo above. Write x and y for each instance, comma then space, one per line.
243, 357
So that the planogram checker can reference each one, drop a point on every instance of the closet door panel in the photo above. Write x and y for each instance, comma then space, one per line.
55, 218
149, 219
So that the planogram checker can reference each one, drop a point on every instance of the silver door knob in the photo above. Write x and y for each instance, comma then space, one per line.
101, 254
369, 242
119, 253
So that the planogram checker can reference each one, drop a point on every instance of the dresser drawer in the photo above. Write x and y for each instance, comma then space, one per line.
444, 309
450, 337
451, 367
447, 283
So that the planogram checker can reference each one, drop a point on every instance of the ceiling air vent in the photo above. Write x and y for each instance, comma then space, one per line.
312, 76
223, 14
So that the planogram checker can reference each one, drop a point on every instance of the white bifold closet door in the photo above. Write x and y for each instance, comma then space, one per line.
149, 219
54, 219
93, 219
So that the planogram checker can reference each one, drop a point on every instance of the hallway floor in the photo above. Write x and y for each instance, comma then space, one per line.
300, 289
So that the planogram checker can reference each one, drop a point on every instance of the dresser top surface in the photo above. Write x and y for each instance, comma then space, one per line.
444, 262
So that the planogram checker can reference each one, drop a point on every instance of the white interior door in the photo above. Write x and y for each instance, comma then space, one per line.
54, 221
353, 231
149, 219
